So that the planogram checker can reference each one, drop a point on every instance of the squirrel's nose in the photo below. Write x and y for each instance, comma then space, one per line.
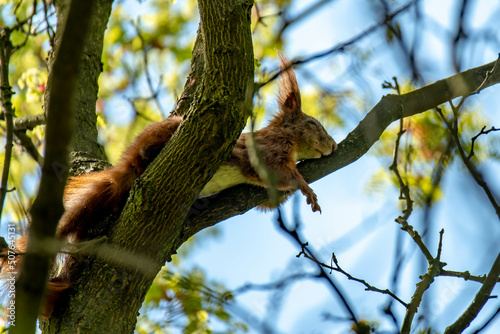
334, 146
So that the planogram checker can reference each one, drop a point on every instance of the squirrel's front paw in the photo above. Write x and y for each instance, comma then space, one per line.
312, 199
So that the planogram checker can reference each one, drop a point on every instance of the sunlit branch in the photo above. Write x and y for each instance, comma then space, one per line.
239, 199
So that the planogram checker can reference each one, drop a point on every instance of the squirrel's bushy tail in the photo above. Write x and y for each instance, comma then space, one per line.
90, 197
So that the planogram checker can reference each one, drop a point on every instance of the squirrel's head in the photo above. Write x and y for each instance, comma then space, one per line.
313, 140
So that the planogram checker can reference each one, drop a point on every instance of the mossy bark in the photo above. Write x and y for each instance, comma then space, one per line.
85, 149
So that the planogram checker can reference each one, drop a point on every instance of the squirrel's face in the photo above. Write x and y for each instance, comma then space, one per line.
314, 141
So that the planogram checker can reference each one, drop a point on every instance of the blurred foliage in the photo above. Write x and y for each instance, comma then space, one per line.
187, 302
426, 144
364, 327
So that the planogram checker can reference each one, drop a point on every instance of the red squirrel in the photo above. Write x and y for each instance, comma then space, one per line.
290, 136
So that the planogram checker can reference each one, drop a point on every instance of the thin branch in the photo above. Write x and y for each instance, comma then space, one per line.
460, 35
28, 145
6, 50
47, 208
435, 265
337, 268
425, 282
465, 275
473, 139
323, 273
488, 76
341, 46
28, 33
154, 92
488, 322
50, 30
482, 296
273, 285
440, 246
453, 128
301, 16
29, 122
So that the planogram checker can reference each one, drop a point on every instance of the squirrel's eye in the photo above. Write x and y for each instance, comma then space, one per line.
312, 123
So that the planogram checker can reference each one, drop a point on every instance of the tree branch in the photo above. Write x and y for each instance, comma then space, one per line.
209, 211
29, 122
480, 299
6, 49
474, 172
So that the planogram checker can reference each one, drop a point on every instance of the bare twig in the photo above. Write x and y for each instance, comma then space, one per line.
405, 190
488, 76
29, 20
323, 273
28, 145
337, 268
435, 265
273, 285
301, 16
490, 319
440, 247
473, 139
465, 275
50, 30
426, 281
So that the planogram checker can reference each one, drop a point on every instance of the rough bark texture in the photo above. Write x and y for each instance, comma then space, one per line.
107, 294
85, 149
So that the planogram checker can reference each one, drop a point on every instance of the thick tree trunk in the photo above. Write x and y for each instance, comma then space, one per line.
85, 149
109, 290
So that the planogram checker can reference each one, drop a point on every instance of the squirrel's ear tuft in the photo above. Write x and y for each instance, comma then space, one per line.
289, 93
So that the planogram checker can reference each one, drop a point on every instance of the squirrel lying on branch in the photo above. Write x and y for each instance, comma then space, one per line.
291, 136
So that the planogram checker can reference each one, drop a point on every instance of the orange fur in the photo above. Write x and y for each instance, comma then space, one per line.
290, 136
